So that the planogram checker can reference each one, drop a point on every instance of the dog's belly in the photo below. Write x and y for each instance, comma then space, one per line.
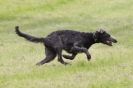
68, 49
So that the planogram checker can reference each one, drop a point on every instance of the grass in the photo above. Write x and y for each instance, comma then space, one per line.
110, 67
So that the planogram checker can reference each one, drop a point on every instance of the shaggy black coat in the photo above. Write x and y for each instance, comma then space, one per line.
73, 42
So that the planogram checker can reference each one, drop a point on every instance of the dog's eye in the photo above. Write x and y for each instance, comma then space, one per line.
106, 35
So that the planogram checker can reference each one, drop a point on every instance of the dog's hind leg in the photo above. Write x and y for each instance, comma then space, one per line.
70, 57
59, 52
50, 55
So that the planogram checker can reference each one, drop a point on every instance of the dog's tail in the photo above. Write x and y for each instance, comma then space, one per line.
28, 37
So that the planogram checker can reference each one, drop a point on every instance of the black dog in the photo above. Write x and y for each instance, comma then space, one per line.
71, 41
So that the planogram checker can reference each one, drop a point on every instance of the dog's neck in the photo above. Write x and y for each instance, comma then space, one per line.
94, 36
90, 38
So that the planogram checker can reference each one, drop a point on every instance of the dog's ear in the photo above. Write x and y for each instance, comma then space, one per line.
95, 35
101, 31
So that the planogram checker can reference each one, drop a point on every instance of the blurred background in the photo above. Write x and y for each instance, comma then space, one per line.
110, 67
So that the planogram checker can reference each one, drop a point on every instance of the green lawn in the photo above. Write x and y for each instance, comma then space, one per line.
110, 67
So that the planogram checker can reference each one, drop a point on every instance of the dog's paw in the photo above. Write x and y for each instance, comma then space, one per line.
38, 64
89, 57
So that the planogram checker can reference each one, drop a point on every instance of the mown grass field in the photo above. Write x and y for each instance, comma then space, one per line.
110, 67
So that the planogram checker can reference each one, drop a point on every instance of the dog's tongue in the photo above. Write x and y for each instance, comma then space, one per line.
109, 42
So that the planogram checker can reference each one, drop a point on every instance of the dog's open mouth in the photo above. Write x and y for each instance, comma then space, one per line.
108, 43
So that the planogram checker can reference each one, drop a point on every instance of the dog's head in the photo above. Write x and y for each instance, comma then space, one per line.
102, 36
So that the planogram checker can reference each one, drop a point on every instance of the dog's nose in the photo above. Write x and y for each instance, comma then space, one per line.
115, 41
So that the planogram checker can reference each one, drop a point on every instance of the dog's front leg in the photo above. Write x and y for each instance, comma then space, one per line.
88, 56
77, 48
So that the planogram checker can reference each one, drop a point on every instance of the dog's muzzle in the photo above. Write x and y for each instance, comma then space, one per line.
110, 40
113, 40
